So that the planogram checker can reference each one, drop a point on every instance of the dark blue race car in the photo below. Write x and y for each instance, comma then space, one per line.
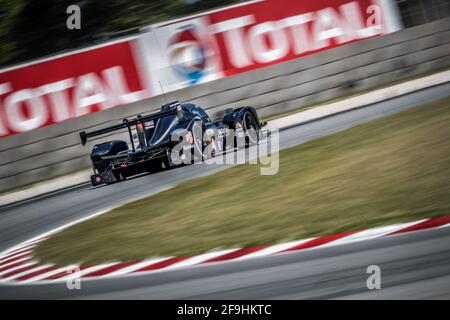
179, 134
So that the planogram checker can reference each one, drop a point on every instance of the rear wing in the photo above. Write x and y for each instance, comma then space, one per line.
169, 109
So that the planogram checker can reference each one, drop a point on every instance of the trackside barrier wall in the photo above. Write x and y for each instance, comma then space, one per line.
55, 150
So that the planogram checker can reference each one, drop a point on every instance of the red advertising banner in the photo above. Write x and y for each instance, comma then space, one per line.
68, 86
273, 31
183, 53
254, 35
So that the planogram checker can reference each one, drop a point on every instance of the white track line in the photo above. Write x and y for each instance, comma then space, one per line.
26, 253
29, 243
53, 231
45, 275
360, 100
16, 253
24, 273
14, 262
85, 271
15, 257
23, 265
77, 221
199, 259
274, 249
371, 233
21, 249
135, 267
35, 241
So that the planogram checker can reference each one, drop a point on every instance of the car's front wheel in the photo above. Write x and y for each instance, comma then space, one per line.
251, 128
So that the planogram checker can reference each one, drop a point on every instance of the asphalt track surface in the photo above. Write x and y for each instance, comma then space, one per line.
415, 265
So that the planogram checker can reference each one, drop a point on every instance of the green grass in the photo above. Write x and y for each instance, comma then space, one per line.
395, 169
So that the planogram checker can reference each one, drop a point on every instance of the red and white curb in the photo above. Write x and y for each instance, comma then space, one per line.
17, 265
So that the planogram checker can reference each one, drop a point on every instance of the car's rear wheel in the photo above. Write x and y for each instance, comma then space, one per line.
119, 176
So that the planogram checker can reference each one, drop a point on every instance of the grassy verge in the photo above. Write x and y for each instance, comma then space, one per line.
395, 169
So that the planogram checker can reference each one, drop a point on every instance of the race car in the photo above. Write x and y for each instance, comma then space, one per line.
179, 134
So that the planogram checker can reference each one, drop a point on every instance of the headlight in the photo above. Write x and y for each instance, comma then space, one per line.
238, 125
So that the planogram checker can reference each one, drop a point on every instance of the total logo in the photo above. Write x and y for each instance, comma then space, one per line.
188, 53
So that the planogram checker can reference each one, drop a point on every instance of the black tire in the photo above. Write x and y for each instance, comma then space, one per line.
119, 176
165, 163
251, 128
